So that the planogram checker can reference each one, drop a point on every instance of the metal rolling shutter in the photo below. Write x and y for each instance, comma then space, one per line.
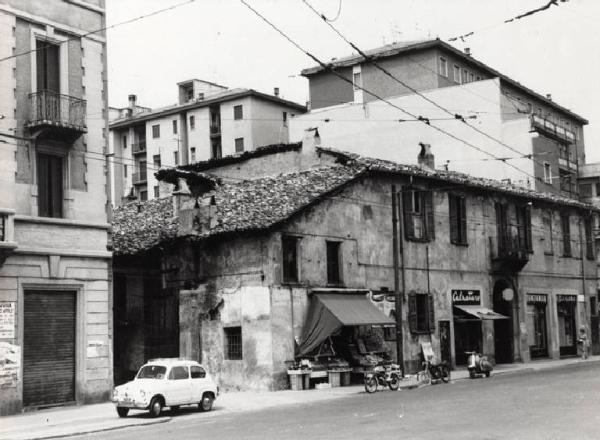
49, 348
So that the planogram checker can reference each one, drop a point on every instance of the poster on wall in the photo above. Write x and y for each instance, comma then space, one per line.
7, 320
10, 361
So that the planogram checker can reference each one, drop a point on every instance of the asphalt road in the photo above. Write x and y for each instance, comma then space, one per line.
552, 404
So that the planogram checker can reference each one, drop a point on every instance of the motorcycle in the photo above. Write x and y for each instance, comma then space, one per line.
383, 374
478, 365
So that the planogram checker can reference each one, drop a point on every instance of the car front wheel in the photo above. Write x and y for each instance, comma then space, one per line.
206, 403
122, 411
155, 407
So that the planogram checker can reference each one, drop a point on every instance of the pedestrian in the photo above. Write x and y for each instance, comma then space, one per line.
583, 341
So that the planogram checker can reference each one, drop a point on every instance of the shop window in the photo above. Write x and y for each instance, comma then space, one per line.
420, 313
589, 238
458, 219
417, 206
289, 247
233, 343
333, 263
238, 112
547, 225
50, 185
566, 234
155, 131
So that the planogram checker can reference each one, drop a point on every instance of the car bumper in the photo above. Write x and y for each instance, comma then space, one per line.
133, 404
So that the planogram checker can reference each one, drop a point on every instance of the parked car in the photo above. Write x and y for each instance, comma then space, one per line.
166, 382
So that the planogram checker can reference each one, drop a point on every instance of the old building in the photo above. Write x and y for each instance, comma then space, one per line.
493, 126
226, 270
55, 295
208, 121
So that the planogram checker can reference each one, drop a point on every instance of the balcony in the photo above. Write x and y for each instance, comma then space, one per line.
139, 147
59, 116
215, 130
139, 178
508, 254
552, 130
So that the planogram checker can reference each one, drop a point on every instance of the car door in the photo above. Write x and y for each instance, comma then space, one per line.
198, 375
178, 386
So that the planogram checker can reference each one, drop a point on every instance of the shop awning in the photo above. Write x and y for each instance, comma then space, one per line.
328, 312
481, 312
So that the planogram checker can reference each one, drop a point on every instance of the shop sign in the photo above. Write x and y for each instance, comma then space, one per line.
533, 298
7, 320
466, 297
566, 298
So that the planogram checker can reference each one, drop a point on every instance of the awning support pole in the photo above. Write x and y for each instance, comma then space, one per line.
398, 300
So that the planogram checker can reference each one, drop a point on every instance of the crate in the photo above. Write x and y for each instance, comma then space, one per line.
334, 378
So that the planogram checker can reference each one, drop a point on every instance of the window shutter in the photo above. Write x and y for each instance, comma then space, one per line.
412, 312
566, 232
452, 205
427, 198
431, 311
528, 237
56, 173
42, 184
500, 226
409, 231
463, 219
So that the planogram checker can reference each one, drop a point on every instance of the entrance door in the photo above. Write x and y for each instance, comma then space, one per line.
49, 347
503, 329
567, 333
536, 329
467, 337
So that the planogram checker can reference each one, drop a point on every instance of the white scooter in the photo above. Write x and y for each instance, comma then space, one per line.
478, 365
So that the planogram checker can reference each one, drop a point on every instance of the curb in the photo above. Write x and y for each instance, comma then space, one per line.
94, 430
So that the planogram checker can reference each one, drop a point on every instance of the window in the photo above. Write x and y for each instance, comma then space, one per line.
156, 192
417, 206
597, 189
47, 66
524, 228
238, 112
215, 148
285, 119
179, 373
443, 67
156, 161
2, 227
471, 77
502, 227
50, 185
192, 155
420, 313
333, 263
566, 234
175, 127
155, 131
176, 157
465, 76
143, 195
124, 170
585, 190
547, 225
239, 145
124, 141
589, 238
192, 125
356, 80
547, 173
233, 343
289, 248
458, 219
197, 372
456, 74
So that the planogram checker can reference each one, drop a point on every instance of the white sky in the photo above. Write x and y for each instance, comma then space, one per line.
556, 51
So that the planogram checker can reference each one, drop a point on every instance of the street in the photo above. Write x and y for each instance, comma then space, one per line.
552, 404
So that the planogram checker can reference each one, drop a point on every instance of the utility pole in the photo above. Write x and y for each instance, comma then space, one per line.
397, 293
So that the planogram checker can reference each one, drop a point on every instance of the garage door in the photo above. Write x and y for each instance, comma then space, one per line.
49, 347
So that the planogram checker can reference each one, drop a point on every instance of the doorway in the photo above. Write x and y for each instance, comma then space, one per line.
503, 328
537, 336
567, 332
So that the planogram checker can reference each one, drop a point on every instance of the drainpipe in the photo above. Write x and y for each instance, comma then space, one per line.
582, 243
397, 247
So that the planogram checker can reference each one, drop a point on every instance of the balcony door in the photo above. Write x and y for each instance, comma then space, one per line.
48, 66
50, 185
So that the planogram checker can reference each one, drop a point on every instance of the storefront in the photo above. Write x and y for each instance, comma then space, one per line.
468, 317
566, 307
537, 328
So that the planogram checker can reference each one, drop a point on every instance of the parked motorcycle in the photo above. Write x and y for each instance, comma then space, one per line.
383, 374
478, 365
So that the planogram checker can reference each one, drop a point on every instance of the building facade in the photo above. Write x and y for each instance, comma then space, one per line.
209, 121
55, 269
484, 265
514, 133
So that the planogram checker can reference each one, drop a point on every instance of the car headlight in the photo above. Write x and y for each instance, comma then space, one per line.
142, 395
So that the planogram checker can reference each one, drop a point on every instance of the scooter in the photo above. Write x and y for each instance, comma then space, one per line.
478, 365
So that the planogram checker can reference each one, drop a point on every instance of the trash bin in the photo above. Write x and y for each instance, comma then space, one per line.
296, 379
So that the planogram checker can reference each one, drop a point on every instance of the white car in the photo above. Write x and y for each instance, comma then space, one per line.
166, 382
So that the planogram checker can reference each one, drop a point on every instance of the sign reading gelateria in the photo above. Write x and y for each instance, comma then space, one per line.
7, 320
462, 297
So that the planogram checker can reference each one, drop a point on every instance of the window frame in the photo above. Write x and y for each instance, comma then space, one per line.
547, 217
456, 76
55, 164
565, 225
424, 323
548, 174
287, 276
233, 343
175, 128
457, 208
239, 145
588, 228
424, 198
156, 131
238, 112
334, 265
192, 122
443, 70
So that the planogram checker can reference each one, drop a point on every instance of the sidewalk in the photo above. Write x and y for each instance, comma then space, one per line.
72, 420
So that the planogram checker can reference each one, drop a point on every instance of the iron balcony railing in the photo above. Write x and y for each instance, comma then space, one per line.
51, 108
139, 147
140, 177
553, 129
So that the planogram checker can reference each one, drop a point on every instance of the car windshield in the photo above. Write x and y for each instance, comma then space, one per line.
152, 372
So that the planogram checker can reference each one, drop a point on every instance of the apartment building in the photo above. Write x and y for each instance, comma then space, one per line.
55, 294
514, 132
208, 121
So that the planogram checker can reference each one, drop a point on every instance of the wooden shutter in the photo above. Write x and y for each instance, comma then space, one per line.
463, 219
528, 237
501, 226
427, 199
409, 230
53, 68
452, 207
430, 309
566, 233
56, 185
42, 184
412, 312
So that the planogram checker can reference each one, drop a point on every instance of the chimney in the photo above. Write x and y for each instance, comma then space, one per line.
132, 99
468, 51
276, 91
425, 159
549, 96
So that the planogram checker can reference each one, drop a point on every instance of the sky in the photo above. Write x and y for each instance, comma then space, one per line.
556, 51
